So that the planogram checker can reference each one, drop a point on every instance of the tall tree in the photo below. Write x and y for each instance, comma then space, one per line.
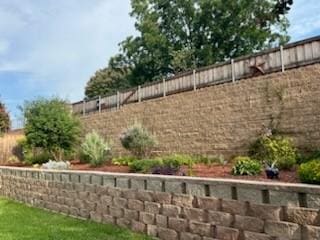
4, 119
176, 35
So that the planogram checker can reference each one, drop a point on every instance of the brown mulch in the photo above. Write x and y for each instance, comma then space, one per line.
199, 170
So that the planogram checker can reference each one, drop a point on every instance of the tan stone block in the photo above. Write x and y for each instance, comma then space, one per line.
234, 207
135, 205
303, 216
203, 229
167, 234
162, 197
152, 207
147, 218
283, 229
161, 221
190, 236
194, 214
182, 200
256, 236
138, 226
249, 223
170, 210
178, 224
220, 218
209, 203
225, 233
265, 211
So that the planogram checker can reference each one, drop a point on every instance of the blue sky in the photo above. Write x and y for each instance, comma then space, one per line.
52, 47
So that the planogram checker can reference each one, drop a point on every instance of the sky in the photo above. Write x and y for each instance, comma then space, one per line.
52, 47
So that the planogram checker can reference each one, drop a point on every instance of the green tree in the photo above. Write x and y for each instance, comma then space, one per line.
177, 35
108, 80
50, 125
4, 119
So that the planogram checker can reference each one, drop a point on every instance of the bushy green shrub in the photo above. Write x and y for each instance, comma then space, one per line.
50, 125
246, 166
274, 149
95, 149
310, 172
31, 155
123, 161
145, 165
138, 140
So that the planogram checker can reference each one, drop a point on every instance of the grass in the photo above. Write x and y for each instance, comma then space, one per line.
19, 222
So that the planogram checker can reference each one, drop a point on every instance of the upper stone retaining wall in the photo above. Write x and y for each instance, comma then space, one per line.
170, 207
224, 119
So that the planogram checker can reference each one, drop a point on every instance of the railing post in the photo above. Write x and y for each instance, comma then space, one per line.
139, 93
84, 107
99, 104
194, 80
118, 99
282, 58
232, 71
164, 87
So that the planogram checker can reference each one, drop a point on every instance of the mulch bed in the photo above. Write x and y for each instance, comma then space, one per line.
199, 170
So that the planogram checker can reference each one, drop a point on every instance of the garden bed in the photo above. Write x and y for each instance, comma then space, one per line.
199, 170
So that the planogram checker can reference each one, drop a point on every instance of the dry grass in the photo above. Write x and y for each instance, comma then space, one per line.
7, 143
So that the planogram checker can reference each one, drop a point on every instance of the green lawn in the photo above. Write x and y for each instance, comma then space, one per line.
19, 222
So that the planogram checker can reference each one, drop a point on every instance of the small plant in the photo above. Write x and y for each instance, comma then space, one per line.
95, 149
56, 165
145, 165
138, 140
269, 149
310, 172
246, 166
123, 161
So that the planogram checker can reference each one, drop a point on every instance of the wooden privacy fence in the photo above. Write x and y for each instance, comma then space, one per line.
272, 60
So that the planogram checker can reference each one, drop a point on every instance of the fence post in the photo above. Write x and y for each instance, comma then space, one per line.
232, 71
99, 104
282, 58
118, 99
194, 80
139, 93
164, 87
84, 107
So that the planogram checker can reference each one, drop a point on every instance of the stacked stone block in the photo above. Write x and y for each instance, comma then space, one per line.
163, 214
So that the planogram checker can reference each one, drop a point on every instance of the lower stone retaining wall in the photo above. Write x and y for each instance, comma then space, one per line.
173, 207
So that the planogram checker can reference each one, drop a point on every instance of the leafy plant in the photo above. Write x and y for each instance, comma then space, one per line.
138, 140
246, 166
274, 149
145, 165
95, 149
123, 161
31, 155
51, 126
304, 158
310, 172
175, 161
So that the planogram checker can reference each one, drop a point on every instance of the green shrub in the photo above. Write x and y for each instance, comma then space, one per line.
246, 166
31, 155
95, 149
145, 165
310, 172
274, 149
50, 125
123, 161
138, 140
175, 161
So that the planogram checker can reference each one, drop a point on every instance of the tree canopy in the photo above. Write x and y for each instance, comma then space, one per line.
51, 126
4, 119
176, 35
